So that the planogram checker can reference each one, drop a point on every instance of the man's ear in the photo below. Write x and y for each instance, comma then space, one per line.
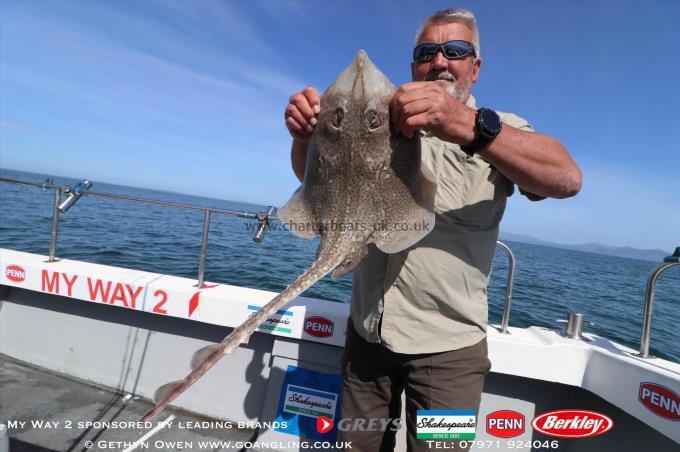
475, 69
413, 68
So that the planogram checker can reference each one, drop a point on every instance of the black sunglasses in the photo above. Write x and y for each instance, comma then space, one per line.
452, 50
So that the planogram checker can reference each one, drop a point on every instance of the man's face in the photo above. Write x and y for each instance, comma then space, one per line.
456, 76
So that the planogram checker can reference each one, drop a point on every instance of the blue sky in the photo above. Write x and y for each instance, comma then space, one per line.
188, 96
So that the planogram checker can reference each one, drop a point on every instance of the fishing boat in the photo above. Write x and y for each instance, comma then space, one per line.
83, 347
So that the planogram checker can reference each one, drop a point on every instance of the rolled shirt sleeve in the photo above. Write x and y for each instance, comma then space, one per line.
520, 123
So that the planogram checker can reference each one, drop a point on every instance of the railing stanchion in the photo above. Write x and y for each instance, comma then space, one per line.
204, 248
508, 289
55, 225
670, 261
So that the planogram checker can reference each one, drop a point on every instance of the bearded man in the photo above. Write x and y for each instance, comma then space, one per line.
419, 317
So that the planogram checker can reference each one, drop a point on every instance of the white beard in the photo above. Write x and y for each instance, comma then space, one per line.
457, 88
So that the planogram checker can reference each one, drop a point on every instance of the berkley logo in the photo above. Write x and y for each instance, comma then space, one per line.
505, 423
572, 423
318, 326
15, 273
660, 400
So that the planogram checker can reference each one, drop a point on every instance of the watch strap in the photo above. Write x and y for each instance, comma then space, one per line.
483, 135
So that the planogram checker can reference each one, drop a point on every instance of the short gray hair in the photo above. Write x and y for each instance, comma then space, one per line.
447, 16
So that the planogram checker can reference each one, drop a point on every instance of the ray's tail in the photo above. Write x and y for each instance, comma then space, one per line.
208, 356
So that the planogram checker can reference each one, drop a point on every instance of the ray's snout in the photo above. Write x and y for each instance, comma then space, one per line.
361, 79
361, 57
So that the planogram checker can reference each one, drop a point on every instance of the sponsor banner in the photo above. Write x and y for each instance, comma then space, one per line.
505, 423
445, 424
279, 322
307, 396
572, 423
218, 304
660, 400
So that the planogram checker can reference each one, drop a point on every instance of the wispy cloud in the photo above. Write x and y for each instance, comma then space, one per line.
287, 10
117, 79
15, 126
128, 107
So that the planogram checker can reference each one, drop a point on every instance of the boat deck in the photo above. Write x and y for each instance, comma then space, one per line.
31, 394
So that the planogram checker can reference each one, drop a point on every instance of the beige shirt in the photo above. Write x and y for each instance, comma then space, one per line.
432, 297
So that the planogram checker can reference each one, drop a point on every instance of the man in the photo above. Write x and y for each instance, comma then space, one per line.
418, 317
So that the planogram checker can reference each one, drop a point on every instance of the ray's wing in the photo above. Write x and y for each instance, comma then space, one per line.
407, 197
296, 215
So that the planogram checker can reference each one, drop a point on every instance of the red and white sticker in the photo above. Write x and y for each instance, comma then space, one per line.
323, 424
572, 423
660, 400
318, 326
505, 423
15, 273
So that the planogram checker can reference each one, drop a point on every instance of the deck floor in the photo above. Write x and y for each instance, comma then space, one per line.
33, 395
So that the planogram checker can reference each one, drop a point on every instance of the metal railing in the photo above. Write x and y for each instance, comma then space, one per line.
263, 218
82, 189
670, 261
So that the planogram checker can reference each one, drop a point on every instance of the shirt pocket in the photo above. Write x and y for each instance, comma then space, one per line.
477, 196
452, 181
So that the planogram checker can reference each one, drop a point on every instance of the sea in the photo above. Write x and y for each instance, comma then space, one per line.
549, 284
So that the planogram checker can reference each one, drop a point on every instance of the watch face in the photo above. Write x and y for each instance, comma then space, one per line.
491, 122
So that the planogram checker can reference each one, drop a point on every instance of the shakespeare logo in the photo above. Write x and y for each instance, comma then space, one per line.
445, 424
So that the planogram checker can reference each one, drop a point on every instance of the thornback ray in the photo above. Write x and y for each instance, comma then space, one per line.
363, 183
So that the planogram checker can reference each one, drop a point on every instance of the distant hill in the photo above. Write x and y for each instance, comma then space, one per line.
599, 248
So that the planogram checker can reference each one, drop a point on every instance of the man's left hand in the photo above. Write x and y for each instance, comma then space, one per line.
428, 106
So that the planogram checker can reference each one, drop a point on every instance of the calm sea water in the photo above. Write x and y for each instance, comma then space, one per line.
549, 282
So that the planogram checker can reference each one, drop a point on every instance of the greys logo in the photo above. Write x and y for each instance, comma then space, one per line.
373, 424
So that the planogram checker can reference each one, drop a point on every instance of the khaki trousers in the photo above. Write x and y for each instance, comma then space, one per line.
374, 378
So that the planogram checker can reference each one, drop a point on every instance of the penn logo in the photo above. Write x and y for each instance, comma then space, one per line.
660, 400
318, 326
15, 273
572, 423
505, 423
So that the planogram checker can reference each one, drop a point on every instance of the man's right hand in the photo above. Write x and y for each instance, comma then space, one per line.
301, 112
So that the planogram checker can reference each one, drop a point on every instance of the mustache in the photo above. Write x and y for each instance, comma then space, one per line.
440, 75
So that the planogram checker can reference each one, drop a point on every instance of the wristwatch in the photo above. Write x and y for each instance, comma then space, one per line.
487, 127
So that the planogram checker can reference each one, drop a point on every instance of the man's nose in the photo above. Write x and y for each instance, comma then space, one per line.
439, 60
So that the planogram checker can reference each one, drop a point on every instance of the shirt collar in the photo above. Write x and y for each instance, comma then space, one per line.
471, 102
